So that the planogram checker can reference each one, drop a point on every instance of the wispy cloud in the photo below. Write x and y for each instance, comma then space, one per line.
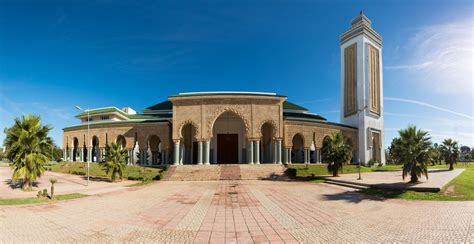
428, 105
317, 100
441, 56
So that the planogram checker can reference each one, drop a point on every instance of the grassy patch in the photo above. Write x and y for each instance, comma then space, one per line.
131, 172
32, 200
460, 188
303, 171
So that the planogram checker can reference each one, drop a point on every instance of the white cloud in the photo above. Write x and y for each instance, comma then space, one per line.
441, 57
428, 105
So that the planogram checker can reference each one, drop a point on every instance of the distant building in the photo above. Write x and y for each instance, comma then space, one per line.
245, 127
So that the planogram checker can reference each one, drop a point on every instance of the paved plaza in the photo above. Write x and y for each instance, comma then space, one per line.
67, 183
237, 212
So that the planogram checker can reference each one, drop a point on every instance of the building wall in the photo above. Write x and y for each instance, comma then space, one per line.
315, 133
202, 112
131, 132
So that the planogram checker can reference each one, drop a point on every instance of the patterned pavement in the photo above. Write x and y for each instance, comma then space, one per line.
237, 212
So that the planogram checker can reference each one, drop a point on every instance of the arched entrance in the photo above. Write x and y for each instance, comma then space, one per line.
297, 151
75, 149
188, 145
267, 143
121, 141
228, 139
154, 144
95, 149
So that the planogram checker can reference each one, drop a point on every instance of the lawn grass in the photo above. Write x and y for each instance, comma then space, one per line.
32, 200
460, 188
131, 172
303, 171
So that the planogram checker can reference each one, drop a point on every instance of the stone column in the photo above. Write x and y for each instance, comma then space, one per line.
207, 153
71, 153
257, 152
199, 156
176, 152
81, 154
306, 156
250, 152
289, 156
274, 152
278, 158
181, 153
319, 155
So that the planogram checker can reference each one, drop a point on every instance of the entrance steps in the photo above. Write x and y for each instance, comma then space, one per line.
195, 173
230, 172
225, 172
262, 171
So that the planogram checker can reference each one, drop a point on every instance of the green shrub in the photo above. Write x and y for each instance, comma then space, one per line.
78, 172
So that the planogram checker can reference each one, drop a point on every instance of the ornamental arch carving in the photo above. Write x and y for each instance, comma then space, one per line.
216, 113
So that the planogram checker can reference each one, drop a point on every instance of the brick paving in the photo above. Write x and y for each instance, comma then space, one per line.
237, 212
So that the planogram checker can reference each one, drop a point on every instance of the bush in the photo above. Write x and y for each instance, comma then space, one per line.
42, 193
372, 162
78, 173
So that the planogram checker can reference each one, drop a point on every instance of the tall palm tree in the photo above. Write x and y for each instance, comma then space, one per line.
335, 153
412, 149
115, 160
28, 147
450, 152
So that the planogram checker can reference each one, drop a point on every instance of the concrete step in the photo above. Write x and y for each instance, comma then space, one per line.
353, 185
195, 173
230, 172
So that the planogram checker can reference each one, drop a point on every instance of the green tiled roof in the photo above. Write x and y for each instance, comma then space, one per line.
299, 115
166, 105
101, 110
148, 116
291, 106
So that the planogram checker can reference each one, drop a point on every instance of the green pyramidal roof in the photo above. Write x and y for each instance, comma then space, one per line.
166, 105
292, 106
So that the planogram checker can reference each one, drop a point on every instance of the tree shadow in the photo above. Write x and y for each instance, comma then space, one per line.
351, 197
17, 184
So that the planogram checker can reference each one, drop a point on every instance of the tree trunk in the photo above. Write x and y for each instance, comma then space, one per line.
26, 184
451, 166
414, 178
52, 191
335, 173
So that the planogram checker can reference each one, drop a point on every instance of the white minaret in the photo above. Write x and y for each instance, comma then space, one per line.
362, 87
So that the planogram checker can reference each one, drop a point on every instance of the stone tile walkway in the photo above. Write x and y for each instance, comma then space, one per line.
67, 183
237, 212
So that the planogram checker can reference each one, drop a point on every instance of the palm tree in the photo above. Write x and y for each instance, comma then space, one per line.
412, 149
28, 147
335, 153
450, 152
115, 160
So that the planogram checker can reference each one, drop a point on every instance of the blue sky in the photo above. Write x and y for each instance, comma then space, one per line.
55, 55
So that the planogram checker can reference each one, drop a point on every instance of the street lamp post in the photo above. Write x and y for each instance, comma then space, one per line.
358, 159
88, 138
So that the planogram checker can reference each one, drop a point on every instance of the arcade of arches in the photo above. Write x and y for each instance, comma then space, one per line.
211, 129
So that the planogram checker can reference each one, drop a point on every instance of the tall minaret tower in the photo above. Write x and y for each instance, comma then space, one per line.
361, 87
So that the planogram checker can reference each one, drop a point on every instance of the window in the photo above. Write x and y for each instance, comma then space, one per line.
104, 118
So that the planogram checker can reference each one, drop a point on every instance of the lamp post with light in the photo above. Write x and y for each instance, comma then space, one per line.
88, 138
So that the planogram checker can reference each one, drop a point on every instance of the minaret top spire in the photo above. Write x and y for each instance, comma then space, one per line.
361, 25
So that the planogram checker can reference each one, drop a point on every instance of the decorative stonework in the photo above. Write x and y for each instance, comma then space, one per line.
274, 127
350, 78
193, 124
213, 112
374, 78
